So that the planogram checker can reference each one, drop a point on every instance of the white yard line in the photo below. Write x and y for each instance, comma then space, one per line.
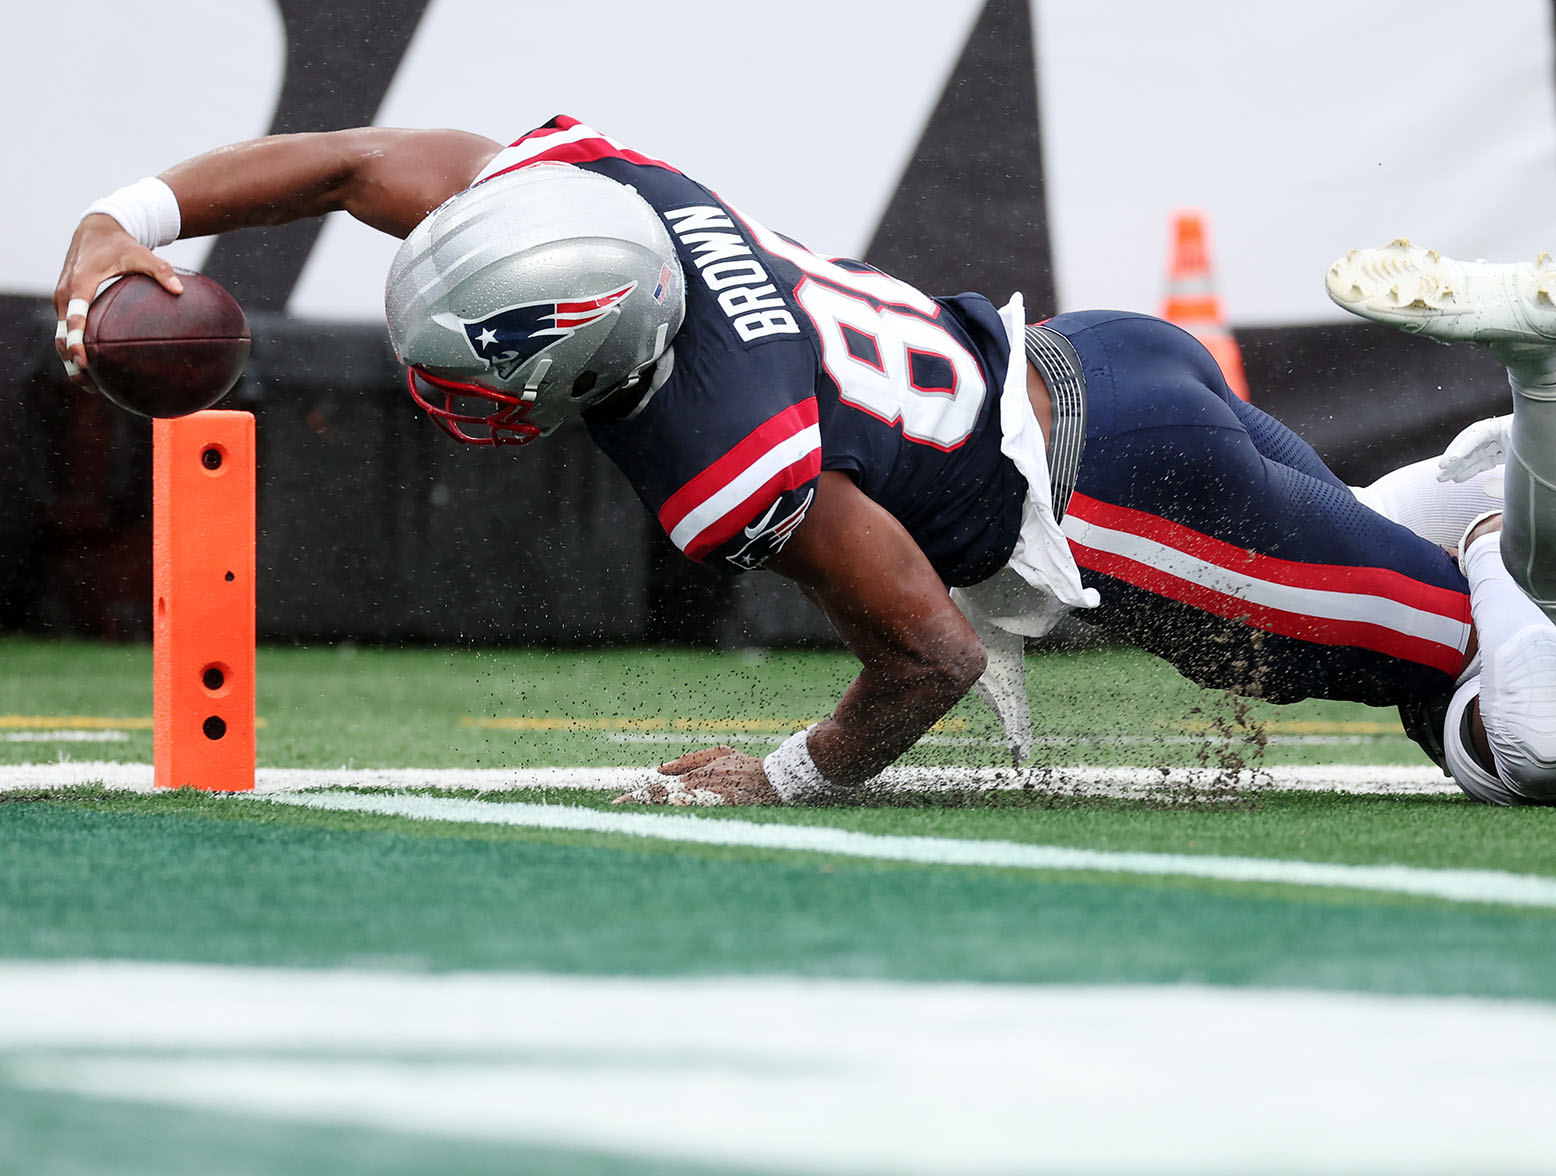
69, 735
1476, 886
782, 1075
1122, 781
767, 739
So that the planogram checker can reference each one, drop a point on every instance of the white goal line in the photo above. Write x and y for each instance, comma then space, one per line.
1452, 885
1076, 781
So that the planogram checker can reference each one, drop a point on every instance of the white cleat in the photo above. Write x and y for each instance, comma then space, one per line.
1422, 292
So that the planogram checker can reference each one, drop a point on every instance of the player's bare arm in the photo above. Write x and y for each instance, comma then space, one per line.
918, 654
387, 178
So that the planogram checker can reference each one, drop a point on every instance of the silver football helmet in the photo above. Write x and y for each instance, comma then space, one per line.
527, 298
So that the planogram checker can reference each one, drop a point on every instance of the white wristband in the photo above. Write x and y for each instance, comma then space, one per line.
792, 773
147, 209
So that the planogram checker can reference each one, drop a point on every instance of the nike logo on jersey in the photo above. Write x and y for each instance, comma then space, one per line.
508, 338
746, 292
766, 538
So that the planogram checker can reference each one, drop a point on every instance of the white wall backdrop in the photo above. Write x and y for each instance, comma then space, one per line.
763, 103
1302, 129
97, 93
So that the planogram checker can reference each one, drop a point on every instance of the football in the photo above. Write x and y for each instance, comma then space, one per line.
165, 355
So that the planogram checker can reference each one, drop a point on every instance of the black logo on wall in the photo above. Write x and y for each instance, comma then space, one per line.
341, 58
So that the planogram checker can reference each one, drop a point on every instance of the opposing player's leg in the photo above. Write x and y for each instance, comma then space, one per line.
1244, 572
1511, 759
1511, 311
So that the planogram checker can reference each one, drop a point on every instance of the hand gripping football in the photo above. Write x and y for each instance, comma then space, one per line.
165, 355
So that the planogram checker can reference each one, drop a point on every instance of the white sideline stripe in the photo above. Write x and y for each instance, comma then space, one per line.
1312, 602
776, 1074
65, 735
1073, 781
1479, 886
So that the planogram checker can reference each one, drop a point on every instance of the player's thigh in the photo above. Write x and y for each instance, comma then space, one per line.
1144, 369
1245, 573
1276, 442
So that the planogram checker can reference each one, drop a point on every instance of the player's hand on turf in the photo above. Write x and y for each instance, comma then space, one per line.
716, 775
1477, 449
100, 250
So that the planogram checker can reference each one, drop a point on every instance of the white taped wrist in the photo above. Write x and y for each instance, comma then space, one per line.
792, 773
146, 209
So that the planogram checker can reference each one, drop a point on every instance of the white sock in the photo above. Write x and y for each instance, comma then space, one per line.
1439, 511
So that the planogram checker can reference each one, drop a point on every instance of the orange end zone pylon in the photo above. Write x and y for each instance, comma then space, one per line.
203, 593
1192, 302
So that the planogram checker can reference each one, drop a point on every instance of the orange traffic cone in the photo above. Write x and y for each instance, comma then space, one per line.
1191, 298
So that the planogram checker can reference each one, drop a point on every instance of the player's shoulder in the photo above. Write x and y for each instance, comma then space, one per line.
565, 139
727, 450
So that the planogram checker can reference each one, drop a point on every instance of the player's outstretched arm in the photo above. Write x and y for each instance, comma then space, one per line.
917, 652
387, 178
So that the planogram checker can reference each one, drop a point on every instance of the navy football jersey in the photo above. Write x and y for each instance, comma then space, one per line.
789, 363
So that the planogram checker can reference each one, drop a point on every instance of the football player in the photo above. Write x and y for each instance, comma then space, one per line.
1500, 726
939, 476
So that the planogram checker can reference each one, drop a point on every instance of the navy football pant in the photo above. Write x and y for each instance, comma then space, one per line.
1220, 541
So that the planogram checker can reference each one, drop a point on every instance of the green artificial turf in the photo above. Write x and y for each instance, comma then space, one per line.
91, 874
439, 708
236, 880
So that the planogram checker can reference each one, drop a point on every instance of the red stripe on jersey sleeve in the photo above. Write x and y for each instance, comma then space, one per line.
562, 122
585, 150
791, 477
778, 428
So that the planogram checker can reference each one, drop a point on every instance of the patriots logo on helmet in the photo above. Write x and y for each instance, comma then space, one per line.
509, 338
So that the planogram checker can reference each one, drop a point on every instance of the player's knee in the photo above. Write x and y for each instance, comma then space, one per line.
1518, 711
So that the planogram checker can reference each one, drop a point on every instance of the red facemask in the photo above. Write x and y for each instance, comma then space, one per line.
505, 424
